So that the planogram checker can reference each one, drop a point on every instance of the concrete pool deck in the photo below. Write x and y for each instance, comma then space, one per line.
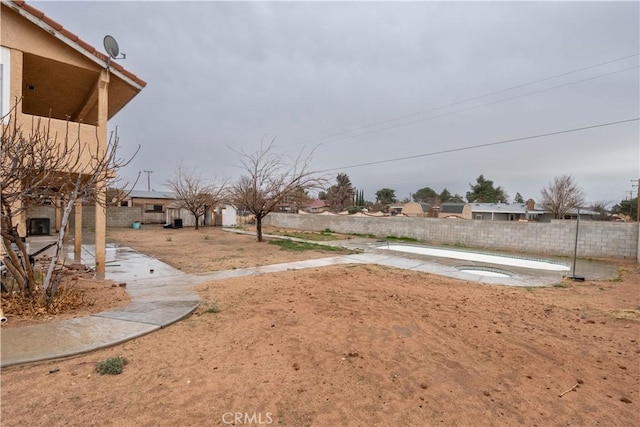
166, 295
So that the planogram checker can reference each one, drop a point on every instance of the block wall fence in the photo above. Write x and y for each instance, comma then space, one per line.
596, 239
117, 216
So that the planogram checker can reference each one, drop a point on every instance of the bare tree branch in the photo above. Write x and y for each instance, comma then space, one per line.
195, 194
562, 195
271, 180
37, 167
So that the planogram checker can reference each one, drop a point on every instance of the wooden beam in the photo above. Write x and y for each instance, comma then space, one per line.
89, 102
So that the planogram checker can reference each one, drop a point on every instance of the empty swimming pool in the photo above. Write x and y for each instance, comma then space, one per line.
537, 264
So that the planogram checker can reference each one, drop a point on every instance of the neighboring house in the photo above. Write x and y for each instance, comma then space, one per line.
452, 210
223, 215
572, 214
415, 209
152, 203
317, 206
395, 209
505, 212
57, 75
175, 212
502, 212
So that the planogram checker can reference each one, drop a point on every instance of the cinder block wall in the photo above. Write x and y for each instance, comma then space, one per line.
117, 216
43, 212
596, 239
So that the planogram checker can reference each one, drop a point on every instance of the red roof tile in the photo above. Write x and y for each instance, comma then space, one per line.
74, 38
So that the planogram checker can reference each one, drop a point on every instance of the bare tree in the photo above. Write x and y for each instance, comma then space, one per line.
271, 180
37, 167
602, 208
195, 194
562, 195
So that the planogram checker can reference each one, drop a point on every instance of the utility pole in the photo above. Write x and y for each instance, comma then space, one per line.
637, 184
148, 179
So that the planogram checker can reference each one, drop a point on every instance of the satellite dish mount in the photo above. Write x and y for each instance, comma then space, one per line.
111, 46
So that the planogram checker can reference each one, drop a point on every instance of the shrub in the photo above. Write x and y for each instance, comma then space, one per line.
213, 308
111, 366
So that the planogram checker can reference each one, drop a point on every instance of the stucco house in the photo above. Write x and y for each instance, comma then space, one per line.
317, 206
415, 209
49, 72
451, 210
501, 212
153, 204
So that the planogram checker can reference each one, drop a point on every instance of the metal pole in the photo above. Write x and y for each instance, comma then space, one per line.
638, 202
575, 252
148, 179
575, 248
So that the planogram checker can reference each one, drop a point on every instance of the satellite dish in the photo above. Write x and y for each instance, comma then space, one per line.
111, 46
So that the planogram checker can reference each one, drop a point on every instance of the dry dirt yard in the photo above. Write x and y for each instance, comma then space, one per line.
351, 345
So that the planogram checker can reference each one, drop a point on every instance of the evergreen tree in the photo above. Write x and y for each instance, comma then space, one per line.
386, 196
485, 192
445, 196
340, 195
425, 195
518, 198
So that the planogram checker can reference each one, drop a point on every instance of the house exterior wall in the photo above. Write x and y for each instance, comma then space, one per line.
596, 239
151, 217
53, 73
21, 36
46, 211
17, 33
465, 214
412, 209
187, 217
496, 216
229, 216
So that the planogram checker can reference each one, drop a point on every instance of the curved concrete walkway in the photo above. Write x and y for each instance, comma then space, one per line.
161, 295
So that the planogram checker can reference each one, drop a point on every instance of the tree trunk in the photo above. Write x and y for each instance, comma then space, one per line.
259, 227
196, 217
60, 241
20, 268
14, 266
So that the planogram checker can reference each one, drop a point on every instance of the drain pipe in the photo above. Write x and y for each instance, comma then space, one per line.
2, 318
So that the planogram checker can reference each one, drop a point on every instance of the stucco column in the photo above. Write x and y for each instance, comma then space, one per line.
58, 218
77, 233
101, 197
101, 230
20, 219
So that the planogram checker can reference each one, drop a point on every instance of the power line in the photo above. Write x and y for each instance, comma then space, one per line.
339, 133
486, 104
489, 144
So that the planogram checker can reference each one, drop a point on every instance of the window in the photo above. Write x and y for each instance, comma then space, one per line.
153, 208
5, 65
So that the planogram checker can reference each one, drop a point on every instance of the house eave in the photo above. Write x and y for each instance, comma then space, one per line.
73, 44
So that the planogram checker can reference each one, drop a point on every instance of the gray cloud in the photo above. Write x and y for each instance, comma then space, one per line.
226, 74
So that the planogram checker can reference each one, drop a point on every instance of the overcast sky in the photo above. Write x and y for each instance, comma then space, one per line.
367, 81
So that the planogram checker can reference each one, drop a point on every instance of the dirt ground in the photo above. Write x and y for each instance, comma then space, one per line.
80, 294
352, 345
